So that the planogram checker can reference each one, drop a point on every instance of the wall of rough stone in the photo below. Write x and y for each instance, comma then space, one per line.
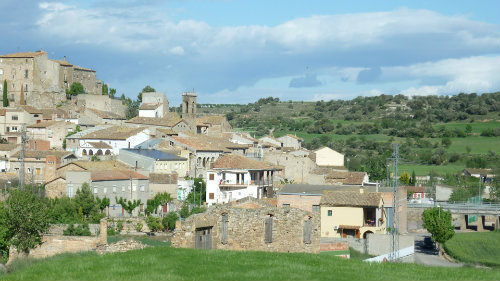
57, 244
58, 229
414, 216
297, 168
246, 229
101, 102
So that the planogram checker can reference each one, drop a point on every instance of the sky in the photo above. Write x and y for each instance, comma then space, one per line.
239, 51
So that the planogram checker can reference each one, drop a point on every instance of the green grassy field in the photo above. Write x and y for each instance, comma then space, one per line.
477, 127
475, 247
166, 263
423, 170
477, 144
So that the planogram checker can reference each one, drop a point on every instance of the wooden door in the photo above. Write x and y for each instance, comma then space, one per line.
203, 238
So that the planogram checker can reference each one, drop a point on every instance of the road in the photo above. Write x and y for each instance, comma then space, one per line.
426, 254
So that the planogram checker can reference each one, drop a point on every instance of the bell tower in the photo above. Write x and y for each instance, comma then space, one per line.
189, 105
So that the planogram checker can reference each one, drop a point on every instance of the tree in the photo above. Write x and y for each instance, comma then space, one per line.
5, 98
5, 234
112, 92
468, 129
169, 220
375, 167
446, 142
413, 178
405, 178
27, 219
438, 222
76, 89
105, 89
103, 203
128, 205
85, 201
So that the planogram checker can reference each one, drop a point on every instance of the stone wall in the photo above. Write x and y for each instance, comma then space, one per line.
246, 229
58, 229
375, 244
101, 102
58, 244
414, 216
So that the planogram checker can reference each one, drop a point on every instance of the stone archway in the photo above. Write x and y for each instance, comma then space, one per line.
84, 152
365, 235
99, 152
91, 152
108, 152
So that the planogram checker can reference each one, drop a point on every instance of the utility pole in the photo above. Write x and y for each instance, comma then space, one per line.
23, 142
394, 254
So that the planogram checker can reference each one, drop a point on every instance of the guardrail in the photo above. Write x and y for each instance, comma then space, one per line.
458, 206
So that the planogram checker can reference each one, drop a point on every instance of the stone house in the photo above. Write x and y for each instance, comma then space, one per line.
202, 150
352, 214
337, 177
234, 177
169, 121
213, 125
52, 131
295, 168
154, 104
271, 142
250, 225
12, 120
56, 183
39, 164
6, 150
91, 116
34, 75
113, 184
109, 140
101, 103
308, 196
154, 161
326, 156
160, 183
291, 141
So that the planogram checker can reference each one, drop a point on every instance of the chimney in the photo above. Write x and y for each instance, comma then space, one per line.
361, 190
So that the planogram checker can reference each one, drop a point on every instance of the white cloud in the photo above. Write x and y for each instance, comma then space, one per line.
229, 57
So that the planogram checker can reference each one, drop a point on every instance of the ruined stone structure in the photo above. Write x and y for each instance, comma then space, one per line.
101, 103
250, 224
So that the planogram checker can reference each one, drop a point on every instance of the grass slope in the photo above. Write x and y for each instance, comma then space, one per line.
165, 263
475, 247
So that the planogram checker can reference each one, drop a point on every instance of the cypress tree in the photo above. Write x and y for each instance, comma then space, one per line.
5, 100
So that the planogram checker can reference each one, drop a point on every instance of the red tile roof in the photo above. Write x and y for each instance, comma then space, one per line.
24, 55
108, 175
240, 162
350, 198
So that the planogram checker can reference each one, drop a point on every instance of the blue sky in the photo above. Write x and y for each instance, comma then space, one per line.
239, 51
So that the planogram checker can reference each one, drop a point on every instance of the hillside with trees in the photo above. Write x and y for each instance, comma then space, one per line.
443, 134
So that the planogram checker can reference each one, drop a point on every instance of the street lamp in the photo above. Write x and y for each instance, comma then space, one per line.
200, 192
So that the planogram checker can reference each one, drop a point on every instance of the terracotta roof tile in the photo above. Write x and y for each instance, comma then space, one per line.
31, 109
479, 171
107, 175
113, 133
350, 198
105, 114
44, 124
24, 55
41, 153
63, 62
99, 144
168, 121
207, 143
240, 162
99, 165
211, 119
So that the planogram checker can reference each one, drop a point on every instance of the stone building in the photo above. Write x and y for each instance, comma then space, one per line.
43, 81
213, 125
102, 103
189, 109
154, 161
52, 131
154, 104
252, 225
291, 141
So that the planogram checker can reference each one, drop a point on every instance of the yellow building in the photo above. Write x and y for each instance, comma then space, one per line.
352, 214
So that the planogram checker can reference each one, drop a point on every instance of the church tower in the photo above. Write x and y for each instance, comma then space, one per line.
189, 105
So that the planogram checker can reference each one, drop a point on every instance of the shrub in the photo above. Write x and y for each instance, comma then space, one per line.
169, 220
138, 227
80, 230
153, 223
112, 231
119, 226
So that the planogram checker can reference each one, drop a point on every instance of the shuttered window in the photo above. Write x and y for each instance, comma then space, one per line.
223, 231
268, 236
307, 231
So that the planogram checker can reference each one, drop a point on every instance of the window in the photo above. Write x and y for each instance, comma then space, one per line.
286, 205
95, 190
38, 171
142, 188
330, 213
1, 71
307, 231
26, 73
70, 190
15, 117
26, 87
123, 188
104, 190
29, 170
114, 188
315, 208
211, 177
268, 235
223, 229
211, 195
14, 128
134, 187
